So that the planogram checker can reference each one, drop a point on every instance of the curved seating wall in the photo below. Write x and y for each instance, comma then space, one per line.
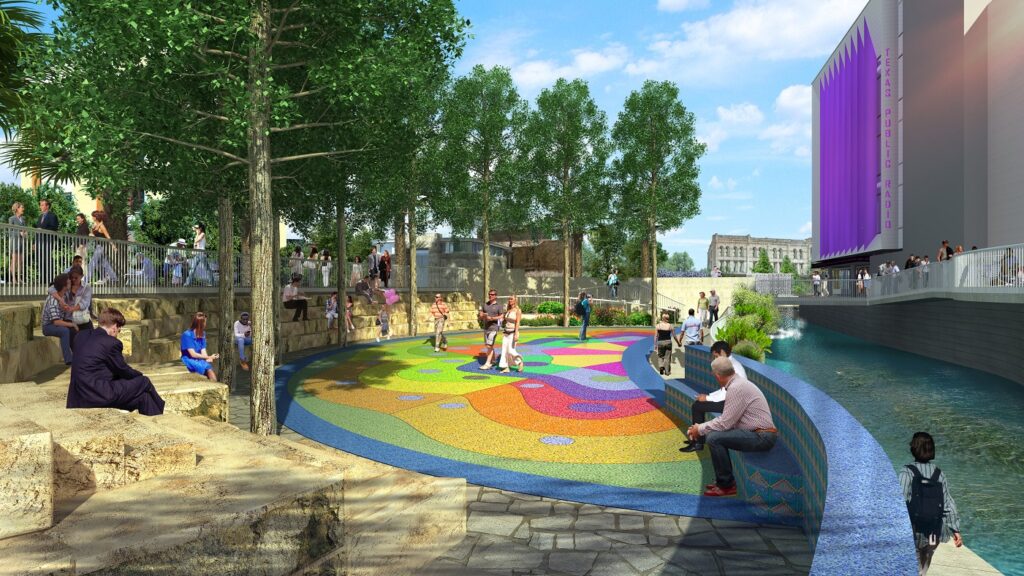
854, 513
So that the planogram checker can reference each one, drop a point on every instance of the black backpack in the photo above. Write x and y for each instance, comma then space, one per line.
578, 310
927, 503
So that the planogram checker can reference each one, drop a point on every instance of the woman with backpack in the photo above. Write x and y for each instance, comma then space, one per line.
933, 514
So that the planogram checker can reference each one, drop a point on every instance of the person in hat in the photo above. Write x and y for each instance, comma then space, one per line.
294, 299
243, 338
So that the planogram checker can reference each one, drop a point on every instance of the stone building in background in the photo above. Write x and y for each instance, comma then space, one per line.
738, 254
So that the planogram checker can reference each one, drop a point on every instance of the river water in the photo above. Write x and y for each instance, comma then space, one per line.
977, 420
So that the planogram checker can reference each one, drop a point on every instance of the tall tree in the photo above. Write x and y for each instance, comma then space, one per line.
763, 265
19, 34
656, 168
141, 90
566, 151
482, 121
680, 262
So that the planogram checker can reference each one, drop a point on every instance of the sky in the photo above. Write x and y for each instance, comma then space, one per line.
744, 68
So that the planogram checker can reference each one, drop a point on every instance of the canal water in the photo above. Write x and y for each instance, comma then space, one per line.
977, 420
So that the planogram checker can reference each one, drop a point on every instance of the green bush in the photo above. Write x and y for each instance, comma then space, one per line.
746, 302
544, 320
745, 328
639, 319
748, 349
528, 307
550, 308
607, 316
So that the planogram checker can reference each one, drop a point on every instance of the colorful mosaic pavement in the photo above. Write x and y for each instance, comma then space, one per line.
576, 423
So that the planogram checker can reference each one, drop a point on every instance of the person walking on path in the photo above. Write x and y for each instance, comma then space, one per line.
490, 314
100, 377
82, 231
100, 260
440, 311
933, 514
702, 308
243, 338
714, 402
383, 323
294, 299
583, 310
17, 243
44, 242
357, 271
295, 261
325, 267
613, 284
713, 302
385, 268
193, 348
693, 330
663, 344
745, 425
510, 337
199, 259
373, 267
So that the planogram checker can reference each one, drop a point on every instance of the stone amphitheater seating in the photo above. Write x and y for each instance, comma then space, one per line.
101, 489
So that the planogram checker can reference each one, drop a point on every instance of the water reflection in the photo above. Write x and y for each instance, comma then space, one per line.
976, 419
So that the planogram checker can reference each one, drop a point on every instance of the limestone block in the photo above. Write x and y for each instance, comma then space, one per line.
134, 309
157, 456
399, 521
87, 460
26, 485
164, 350
192, 398
16, 325
126, 336
29, 359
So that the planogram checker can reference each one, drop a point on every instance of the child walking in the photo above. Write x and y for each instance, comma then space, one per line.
383, 318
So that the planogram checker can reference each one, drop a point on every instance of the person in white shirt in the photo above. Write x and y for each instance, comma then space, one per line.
714, 402
243, 338
693, 331
295, 300
199, 268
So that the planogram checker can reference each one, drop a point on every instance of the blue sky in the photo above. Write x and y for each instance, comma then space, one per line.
744, 69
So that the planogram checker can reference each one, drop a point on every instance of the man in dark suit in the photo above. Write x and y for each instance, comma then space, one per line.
100, 378
44, 242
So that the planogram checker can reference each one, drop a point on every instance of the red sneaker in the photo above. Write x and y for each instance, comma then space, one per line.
716, 491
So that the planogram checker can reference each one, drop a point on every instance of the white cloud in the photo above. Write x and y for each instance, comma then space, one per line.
681, 5
736, 119
718, 47
790, 131
496, 48
533, 74
806, 228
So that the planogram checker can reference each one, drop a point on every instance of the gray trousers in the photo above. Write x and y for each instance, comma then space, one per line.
665, 355
440, 340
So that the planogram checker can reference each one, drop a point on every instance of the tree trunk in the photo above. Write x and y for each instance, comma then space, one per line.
246, 243
277, 260
645, 256
226, 259
341, 264
577, 257
263, 417
485, 237
413, 292
398, 258
565, 273
653, 232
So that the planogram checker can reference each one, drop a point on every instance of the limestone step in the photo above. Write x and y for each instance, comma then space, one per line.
257, 505
26, 485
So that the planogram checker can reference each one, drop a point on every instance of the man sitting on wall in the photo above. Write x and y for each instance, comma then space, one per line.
363, 289
714, 402
100, 378
745, 425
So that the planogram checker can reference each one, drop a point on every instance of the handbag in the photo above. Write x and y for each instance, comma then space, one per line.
81, 317
377, 321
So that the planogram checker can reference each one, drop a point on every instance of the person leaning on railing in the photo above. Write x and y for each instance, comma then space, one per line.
16, 238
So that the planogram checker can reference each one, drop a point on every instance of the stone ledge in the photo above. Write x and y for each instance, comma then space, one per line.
26, 485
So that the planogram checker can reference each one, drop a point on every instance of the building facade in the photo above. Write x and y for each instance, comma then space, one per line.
738, 254
918, 126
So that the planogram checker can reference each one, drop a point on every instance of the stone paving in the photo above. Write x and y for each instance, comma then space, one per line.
514, 534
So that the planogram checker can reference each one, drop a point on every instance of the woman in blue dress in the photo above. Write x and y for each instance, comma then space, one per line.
193, 348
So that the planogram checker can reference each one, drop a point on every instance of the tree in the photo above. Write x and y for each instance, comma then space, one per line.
787, 266
606, 251
19, 34
763, 266
680, 262
565, 150
481, 123
633, 250
133, 95
656, 170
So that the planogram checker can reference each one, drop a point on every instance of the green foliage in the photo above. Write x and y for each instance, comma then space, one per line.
638, 319
19, 26
679, 262
162, 221
528, 307
550, 308
605, 251
542, 320
748, 349
633, 251
746, 302
62, 204
740, 328
607, 316
755, 317
763, 266
656, 168
787, 266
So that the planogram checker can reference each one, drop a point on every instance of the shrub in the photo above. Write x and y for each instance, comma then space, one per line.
746, 302
745, 328
639, 319
748, 349
528, 307
543, 320
608, 316
550, 308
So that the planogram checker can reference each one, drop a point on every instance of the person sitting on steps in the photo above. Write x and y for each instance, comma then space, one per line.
243, 338
294, 299
714, 402
193, 348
